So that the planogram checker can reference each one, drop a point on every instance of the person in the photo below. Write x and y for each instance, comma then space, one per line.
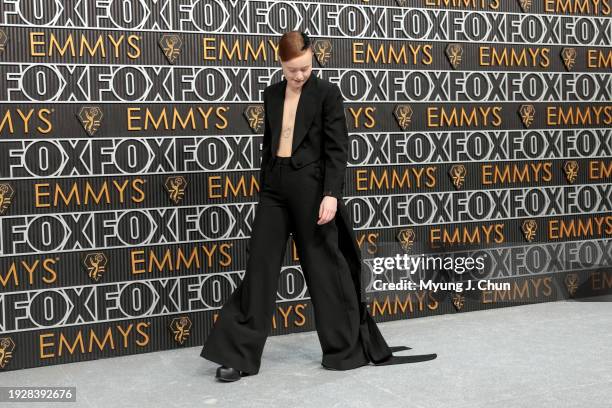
304, 157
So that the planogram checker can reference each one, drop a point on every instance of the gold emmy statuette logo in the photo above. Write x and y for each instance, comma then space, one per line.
6, 351
529, 229
402, 3
458, 300
254, 114
525, 5
3, 40
571, 283
91, 118
454, 53
6, 197
175, 186
406, 238
570, 168
95, 265
527, 113
403, 115
457, 174
171, 46
322, 51
568, 55
180, 327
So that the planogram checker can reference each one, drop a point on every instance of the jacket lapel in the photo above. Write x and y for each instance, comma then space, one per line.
303, 116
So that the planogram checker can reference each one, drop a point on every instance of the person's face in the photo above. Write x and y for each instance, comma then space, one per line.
298, 69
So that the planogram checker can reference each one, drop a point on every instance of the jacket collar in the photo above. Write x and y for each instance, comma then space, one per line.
306, 109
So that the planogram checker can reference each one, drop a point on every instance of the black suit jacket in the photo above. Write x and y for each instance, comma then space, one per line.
320, 130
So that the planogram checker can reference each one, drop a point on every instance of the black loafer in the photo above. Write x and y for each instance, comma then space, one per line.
329, 368
227, 374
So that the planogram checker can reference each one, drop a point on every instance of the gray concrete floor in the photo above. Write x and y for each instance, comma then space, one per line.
543, 355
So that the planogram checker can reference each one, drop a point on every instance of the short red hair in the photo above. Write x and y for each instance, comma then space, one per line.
293, 44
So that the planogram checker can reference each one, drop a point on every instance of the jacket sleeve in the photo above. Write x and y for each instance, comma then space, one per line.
267, 139
335, 143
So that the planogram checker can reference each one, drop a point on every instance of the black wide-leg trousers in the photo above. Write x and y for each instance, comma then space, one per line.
289, 202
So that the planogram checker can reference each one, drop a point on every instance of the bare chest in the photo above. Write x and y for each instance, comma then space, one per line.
289, 112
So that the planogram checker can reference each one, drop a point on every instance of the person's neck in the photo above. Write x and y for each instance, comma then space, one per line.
293, 91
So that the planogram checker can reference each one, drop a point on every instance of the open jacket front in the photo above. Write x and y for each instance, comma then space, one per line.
321, 134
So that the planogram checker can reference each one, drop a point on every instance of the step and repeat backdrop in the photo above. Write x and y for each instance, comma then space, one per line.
130, 148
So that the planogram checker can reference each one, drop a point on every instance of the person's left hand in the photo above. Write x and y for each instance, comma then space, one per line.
327, 209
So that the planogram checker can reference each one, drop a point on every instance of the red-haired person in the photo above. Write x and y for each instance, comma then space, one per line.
304, 157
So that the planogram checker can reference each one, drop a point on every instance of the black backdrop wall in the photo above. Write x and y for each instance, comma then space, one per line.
130, 135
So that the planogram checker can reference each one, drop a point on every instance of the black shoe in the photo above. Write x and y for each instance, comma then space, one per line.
227, 374
329, 368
